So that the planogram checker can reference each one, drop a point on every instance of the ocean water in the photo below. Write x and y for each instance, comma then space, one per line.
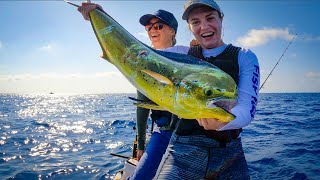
71, 137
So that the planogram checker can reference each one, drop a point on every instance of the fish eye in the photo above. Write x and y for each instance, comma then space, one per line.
208, 92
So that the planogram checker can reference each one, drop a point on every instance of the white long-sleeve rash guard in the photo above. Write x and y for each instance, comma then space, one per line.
248, 87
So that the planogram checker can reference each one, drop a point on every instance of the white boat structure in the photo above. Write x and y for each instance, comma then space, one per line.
127, 171
130, 164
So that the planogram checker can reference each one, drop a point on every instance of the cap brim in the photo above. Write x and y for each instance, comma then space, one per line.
144, 20
187, 11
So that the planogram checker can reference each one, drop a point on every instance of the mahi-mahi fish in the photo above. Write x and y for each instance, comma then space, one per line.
185, 86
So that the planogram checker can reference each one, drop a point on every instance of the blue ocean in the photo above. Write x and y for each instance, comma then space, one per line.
71, 137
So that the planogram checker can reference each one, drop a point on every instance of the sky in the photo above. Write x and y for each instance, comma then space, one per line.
46, 46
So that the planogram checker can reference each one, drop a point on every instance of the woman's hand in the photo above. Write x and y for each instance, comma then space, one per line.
214, 124
86, 8
194, 42
139, 154
210, 123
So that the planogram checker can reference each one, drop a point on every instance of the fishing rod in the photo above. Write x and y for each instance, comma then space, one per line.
279, 60
71, 3
119, 155
88, 1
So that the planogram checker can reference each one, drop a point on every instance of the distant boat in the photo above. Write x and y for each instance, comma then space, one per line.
51, 93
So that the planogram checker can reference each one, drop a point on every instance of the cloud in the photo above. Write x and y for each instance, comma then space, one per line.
258, 37
101, 82
50, 76
313, 75
308, 37
143, 37
47, 47
143, 34
108, 74
15, 77
294, 55
0, 44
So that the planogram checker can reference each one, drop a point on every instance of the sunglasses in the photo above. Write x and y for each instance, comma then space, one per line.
156, 26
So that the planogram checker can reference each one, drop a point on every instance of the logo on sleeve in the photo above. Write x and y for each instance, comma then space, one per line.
255, 85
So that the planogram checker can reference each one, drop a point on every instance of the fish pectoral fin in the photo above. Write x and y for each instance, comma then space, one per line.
146, 105
158, 77
135, 99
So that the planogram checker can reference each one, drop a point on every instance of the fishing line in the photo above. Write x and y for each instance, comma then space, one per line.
279, 60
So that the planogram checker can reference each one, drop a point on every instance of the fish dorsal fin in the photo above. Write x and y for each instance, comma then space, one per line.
158, 77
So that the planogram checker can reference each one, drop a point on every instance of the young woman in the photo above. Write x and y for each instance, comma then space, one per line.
161, 27
207, 148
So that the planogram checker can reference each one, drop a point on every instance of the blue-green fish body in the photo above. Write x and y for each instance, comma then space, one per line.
188, 87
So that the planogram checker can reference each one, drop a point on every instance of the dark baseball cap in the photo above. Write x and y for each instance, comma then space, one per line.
195, 3
165, 16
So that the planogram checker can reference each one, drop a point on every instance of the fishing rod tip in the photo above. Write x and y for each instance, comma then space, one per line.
71, 3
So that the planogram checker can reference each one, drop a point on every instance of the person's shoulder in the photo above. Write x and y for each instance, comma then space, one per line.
181, 47
247, 57
246, 51
247, 54
178, 49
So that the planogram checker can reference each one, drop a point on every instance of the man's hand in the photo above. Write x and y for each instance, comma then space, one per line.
86, 8
210, 123
139, 154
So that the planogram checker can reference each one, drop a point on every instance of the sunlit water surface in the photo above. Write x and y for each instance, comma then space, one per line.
71, 137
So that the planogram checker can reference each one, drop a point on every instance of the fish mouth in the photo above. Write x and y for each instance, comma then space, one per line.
221, 102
